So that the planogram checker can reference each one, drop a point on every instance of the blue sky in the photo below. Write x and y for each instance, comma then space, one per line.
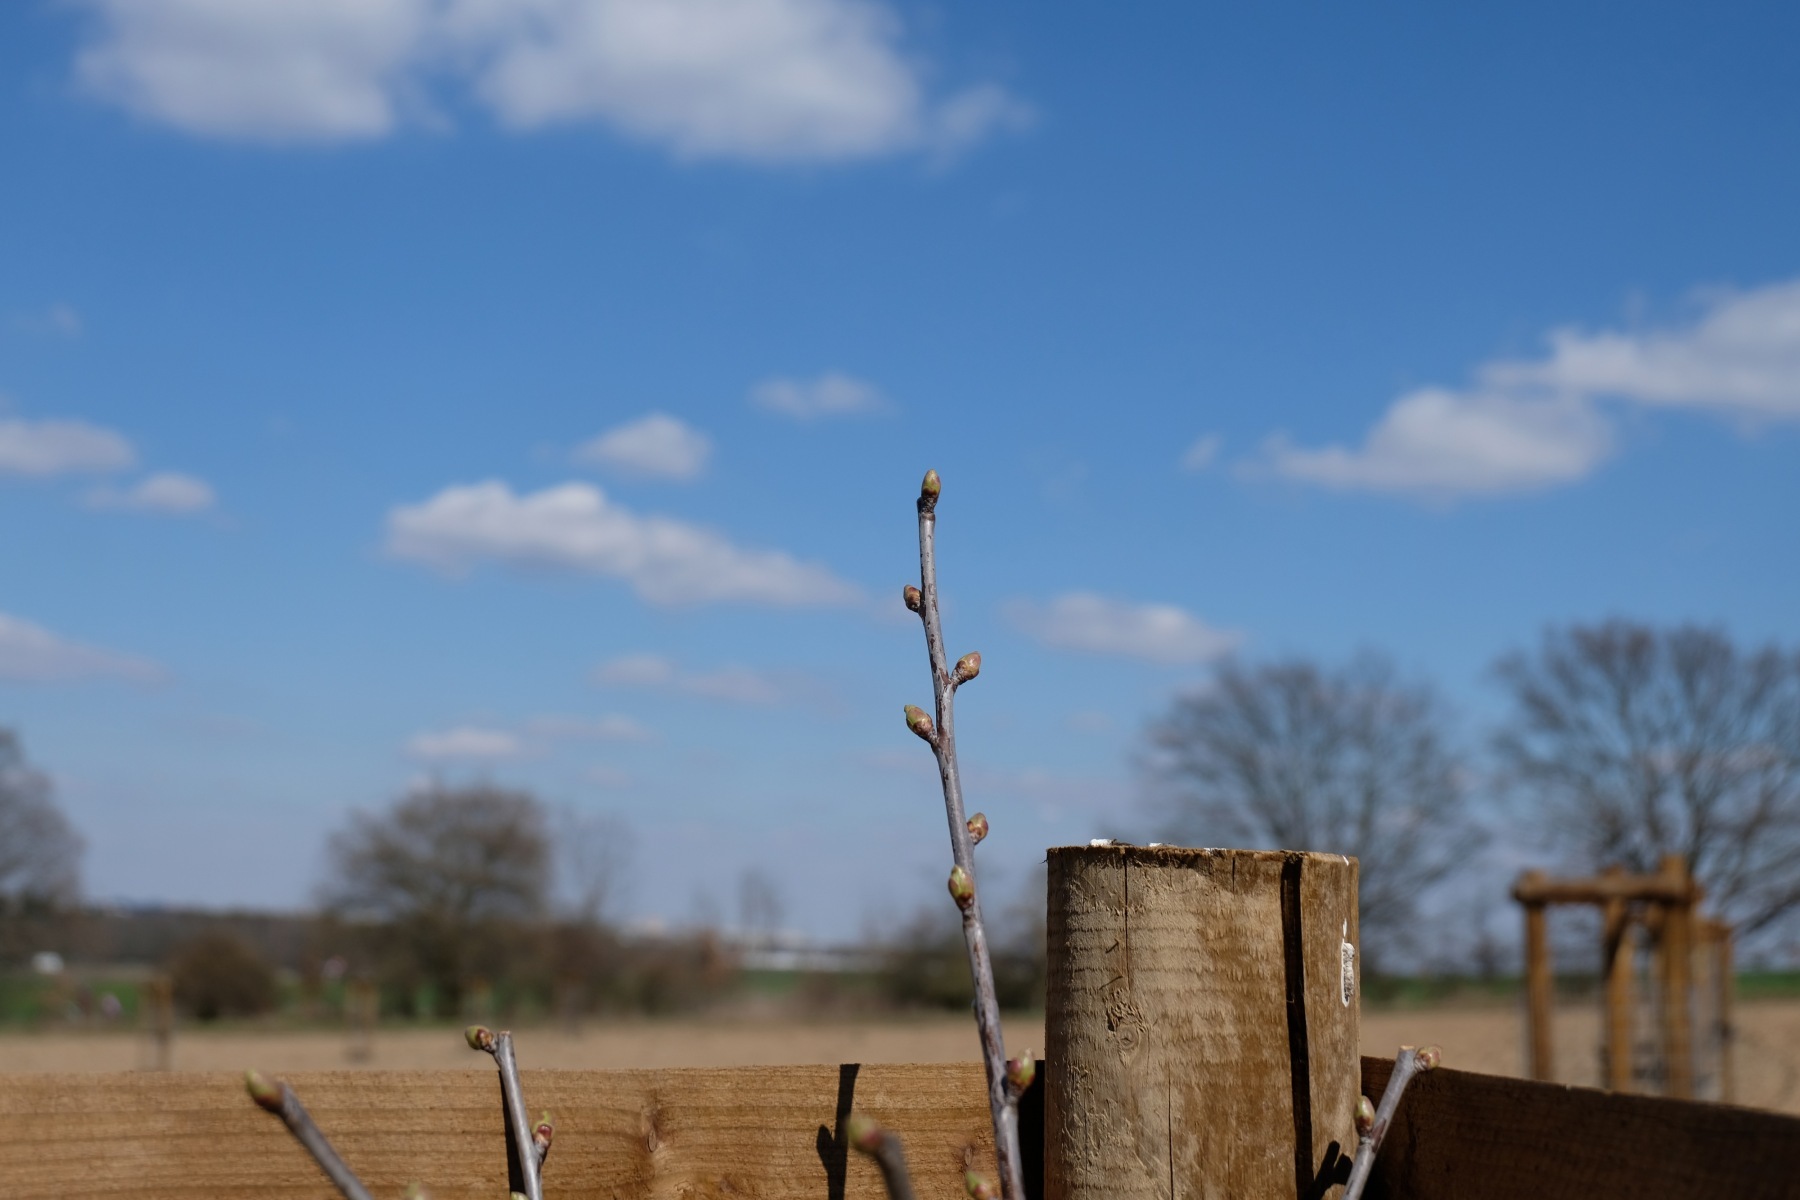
539, 390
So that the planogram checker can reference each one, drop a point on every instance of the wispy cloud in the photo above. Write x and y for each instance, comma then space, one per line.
32, 654
465, 743
1157, 633
58, 320
1202, 454
829, 395
733, 684
169, 492
532, 736
61, 447
752, 80
1531, 424
575, 527
655, 446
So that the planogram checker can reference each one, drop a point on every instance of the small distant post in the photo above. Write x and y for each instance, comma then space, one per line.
1537, 977
159, 1017
1677, 950
1619, 963
362, 1003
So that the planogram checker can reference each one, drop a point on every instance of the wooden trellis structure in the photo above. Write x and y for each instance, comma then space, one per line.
1690, 979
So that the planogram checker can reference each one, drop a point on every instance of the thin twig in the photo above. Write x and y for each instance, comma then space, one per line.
941, 735
1407, 1063
279, 1099
885, 1149
531, 1155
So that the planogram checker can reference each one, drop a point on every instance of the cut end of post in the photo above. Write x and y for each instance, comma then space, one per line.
967, 668
977, 1187
266, 1094
919, 721
913, 597
962, 888
978, 828
1365, 1117
479, 1037
929, 491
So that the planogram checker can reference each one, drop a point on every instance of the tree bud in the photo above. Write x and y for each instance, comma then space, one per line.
266, 1094
479, 1037
929, 490
962, 888
913, 597
918, 721
1429, 1057
967, 667
1020, 1072
977, 1187
1365, 1117
978, 828
543, 1132
864, 1133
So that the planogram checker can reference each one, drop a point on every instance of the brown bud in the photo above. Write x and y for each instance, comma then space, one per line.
864, 1133
913, 597
929, 490
1429, 1057
1020, 1072
962, 888
977, 1187
479, 1037
267, 1095
1365, 1117
967, 667
918, 721
978, 828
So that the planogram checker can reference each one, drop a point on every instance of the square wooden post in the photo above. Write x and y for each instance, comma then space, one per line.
1677, 951
1537, 982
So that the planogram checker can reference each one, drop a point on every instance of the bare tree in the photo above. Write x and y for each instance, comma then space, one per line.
447, 870
759, 908
593, 855
40, 854
1635, 742
1291, 755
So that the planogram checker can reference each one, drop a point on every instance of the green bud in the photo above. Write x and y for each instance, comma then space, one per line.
479, 1037
918, 721
978, 828
864, 1133
267, 1095
977, 1187
1020, 1072
967, 667
1365, 1117
928, 492
962, 888
913, 597
1429, 1057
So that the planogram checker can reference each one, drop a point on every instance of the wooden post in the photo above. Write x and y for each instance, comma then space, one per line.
159, 1013
1537, 983
1201, 1024
362, 1005
1619, 964
1678, 1042
1727, 1033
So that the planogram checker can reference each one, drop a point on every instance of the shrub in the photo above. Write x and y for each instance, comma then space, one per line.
218, 975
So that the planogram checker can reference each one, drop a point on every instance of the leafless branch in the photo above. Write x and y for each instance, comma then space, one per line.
279, 1099
885, 1149
1407, 1063
525, 1136
964, 833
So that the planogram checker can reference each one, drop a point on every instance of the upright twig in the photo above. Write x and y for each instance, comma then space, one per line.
526, 1136
279, 1099
964, 833
1371, 1128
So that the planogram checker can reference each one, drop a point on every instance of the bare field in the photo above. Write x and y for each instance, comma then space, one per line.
1489, 1040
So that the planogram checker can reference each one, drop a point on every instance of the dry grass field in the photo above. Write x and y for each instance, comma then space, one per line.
1489, 1040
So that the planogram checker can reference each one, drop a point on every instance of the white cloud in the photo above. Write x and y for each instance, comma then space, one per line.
654, 446
59, 320
44, 448
1158, 633
166, 492
756, 80
830, 395
732, 684
32, 654
1202, 453
1441, 443
609, 727
1742, 358
1536, 423
469, 742
575, 527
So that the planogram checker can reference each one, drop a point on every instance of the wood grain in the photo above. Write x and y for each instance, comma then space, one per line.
1462, 1136
764, 1132
1200, 1039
